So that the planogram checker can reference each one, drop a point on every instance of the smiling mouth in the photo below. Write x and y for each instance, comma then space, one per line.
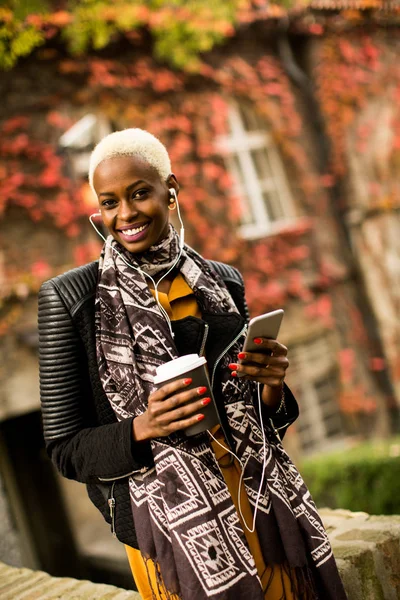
133, 230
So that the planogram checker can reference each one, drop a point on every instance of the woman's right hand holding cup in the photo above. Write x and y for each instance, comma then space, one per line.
169, 410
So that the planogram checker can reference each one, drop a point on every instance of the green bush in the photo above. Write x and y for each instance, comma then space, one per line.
363, 478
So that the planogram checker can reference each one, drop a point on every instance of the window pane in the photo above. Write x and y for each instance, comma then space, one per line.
320, 419
249, 118
262, 164
266, 177
327, 390
303, 426
318, 347
272, 205
333, 426
307, 443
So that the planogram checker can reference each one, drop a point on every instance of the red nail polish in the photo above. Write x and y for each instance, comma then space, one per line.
206, 401
234, 374
200, 417
201, 390
233, 366
242, 355
257, 340
187, 381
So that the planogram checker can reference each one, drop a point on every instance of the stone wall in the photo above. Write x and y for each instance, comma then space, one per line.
24, 584
367, 550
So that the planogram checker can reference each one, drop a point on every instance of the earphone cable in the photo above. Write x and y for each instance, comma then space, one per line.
253, 527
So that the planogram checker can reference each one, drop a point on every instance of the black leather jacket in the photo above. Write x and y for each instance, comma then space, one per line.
81, 432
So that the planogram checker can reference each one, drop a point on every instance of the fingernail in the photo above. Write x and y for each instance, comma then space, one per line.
234, 374
201, 390
199, 417
187, 381
233, 366
206, 401
242, 355
257, 340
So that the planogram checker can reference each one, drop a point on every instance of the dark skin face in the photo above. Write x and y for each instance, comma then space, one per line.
133, 201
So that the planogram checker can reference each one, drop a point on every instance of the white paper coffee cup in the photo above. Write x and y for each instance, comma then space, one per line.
193, 366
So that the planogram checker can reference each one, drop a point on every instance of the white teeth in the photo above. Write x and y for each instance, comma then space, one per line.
134, 231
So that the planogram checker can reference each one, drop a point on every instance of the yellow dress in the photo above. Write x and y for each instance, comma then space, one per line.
179, 303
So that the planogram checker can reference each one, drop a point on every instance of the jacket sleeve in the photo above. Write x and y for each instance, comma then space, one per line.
80, 448
286, 417
282, 420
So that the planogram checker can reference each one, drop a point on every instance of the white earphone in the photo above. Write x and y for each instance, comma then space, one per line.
174, 195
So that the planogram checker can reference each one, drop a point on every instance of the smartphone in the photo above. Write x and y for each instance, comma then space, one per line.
266, 325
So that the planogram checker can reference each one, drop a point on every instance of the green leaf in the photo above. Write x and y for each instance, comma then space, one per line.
25, 41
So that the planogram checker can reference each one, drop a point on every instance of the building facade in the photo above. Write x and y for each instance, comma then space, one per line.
286, 147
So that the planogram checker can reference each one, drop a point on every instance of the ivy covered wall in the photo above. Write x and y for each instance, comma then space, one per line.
359, 97
305, 267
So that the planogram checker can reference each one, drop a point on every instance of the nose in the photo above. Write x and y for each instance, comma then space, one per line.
127, 210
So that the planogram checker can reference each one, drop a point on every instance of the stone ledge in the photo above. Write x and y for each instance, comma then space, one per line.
367, 551
24, 584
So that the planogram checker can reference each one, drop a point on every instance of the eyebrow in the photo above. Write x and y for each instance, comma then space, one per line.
128, 189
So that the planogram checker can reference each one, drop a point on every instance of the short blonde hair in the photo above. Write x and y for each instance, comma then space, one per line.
131, 142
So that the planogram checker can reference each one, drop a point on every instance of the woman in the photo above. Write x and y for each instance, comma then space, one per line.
192, 528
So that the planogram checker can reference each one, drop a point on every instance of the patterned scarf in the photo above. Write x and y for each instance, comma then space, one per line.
183, 513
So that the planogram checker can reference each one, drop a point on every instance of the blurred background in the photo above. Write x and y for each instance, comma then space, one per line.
283, 126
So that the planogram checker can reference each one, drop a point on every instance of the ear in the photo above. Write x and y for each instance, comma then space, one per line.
172, 182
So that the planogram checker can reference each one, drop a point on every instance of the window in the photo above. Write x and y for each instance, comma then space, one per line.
257, 171
315, 377
79, 141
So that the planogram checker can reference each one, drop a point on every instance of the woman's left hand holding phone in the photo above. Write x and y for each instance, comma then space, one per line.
171, 408
268, 366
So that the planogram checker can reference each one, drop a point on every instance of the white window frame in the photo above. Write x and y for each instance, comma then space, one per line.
81, 138
239, 144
